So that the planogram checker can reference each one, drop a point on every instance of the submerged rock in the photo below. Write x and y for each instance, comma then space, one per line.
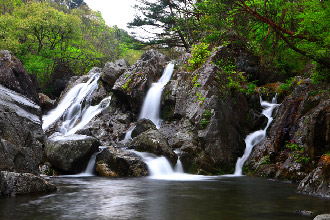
12, 184
153, 141
70, 154
112, 162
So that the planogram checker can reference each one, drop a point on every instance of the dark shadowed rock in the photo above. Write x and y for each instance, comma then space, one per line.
21, 135
112, 162
14, 76
153, 141
143, 125
70, 154
12, 184
112, 71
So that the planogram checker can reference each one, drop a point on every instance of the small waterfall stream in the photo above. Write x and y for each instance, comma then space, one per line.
75, 111
75, 108
151, 105
256, 137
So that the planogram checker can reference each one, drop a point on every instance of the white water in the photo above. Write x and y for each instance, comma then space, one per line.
159, 168
256, 137
151, 105
75, 108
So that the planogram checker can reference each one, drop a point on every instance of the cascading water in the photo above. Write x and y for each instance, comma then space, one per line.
75, 108
75, 111
160, 168
151, 105
256, 137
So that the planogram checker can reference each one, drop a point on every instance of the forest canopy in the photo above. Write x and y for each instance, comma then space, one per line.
61, 37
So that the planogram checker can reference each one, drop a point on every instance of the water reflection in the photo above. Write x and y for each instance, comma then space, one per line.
145, 198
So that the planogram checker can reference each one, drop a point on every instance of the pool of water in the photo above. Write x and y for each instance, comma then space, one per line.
145, 198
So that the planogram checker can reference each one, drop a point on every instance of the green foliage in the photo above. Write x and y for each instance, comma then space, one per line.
200, 99
61, 37
205, 119
199, 53
126, 85
298, 152
265, 161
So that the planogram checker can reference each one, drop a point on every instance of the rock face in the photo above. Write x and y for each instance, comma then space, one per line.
142, 126
205, 121
14, 76
70, 154
152, 141
112, 162
112, 71
12, 184
298, 135
322, 217
132, 86
21, 135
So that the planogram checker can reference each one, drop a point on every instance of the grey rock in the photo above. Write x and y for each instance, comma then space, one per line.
153, 141
141, 126
70, 154
132, 86
46, 103
12, 184
14, 76
21, 135
112, 71
112, 162
322, 217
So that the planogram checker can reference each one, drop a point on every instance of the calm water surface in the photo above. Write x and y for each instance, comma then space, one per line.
145, 198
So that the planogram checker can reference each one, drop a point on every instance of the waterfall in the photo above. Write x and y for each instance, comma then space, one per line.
151, 105
159, 168
75, 108
256, 137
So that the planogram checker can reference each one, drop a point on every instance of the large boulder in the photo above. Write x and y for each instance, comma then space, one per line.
70, 154
153, 141
112, 162
141, 126
112, 71
14, 76
206, 118
12, 184
133, 84
21, 135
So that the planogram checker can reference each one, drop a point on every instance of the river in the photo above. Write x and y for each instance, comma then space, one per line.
146, 198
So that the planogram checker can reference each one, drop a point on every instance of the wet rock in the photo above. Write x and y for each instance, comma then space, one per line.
322, 217
70, 154
14, 76
112, 71
141, 126
46, 103
153, 141
304, 212
303, 120
316, 183
132, 85
12, 184
112, 162
21, 135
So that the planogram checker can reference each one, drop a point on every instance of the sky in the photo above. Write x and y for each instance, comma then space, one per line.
114, 12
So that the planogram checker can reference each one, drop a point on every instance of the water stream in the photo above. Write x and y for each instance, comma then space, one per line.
75, 109
256, 137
